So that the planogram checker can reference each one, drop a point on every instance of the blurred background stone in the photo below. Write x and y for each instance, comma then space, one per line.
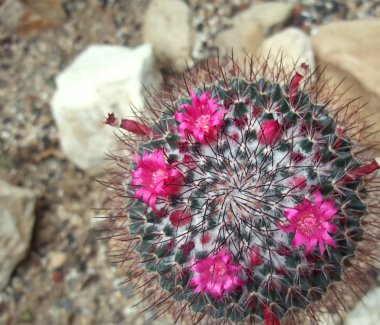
292, 44
270, 15
30, 17
167, 25
243, 39
366, 312
101, 80
11, 12
350, 51
17, 220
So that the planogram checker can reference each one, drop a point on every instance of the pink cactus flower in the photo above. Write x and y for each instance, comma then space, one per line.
270, 132
296, 81
202, 119
156, 177
256, 257
216, 274
311, 223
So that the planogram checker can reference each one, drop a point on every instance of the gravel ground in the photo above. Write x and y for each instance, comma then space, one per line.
67, 277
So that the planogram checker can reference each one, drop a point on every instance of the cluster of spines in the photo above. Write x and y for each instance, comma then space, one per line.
348, 191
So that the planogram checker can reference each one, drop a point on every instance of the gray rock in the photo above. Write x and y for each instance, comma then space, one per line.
293, 45
167, 25
11, 12
270, 15
103, 79
17, 220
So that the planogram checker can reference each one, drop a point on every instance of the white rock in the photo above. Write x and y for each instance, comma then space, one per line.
293, 45
17, 220
101, 80
366, 312
167, 25
270, 15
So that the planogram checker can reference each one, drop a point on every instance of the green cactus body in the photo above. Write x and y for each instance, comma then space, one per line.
264, 206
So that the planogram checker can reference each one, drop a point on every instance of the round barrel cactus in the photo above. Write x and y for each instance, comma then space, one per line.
246, 197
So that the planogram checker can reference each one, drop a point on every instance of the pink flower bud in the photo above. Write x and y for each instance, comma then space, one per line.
256, 258
299, 183
270, 132
179, 218
135, 127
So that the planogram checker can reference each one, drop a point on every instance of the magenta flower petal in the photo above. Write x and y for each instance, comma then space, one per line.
216, 274
202, 119
310, 222
330, 227
156, 177
291, 213
329, 240
299, 239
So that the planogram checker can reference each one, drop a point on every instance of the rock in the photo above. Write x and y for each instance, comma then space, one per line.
167, 25
244, 39
351, 50
57, 260
11, 12
101, 80
17, 220
30, 17
366, 312
50, 10
293, 45
270, 15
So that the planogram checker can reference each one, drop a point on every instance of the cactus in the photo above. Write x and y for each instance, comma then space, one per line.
247, 198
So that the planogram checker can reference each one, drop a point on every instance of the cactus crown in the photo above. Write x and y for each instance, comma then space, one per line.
245, 197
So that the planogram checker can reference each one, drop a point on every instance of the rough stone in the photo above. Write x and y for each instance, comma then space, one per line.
167, 25
366, 312
293, 45
17, 220
101, 80
270, 15
243, 39
57, 260
351, 50
30, 17
11, 12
